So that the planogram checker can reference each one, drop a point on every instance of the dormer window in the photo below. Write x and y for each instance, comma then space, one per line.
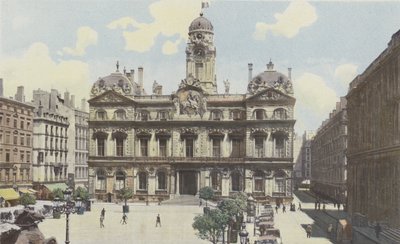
237, 115
101, 115
280, 113
144, 116
216, 115
163, 115
120, 114
259, 114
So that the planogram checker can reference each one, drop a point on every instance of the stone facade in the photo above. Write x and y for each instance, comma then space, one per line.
162, 146
374, 138
305, 154
55, 123
16, 128
328, 161
81, 146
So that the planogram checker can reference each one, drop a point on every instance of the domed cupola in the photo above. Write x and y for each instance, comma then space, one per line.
270, 79
201, 24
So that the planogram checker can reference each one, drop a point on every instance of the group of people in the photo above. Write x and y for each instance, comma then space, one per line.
292, 207
124, 219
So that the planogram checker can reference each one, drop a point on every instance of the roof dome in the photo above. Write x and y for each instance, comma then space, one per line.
201, 23
270, 79
117, 82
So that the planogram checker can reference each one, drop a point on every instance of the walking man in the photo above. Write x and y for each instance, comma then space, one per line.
309, 231
103, 213
378, 230
101, 221
276, 208
319, 206
124, 218
316, 205
158, 220
299, 206
284, 209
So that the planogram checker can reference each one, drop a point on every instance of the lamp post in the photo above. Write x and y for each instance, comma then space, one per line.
67, 206
243, 234
223, 233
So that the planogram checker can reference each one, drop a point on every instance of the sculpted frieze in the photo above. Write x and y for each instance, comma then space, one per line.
190, 99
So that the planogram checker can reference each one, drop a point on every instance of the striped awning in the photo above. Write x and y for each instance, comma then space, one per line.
9, 194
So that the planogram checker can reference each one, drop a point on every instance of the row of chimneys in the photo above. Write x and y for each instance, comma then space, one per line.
69, 101
270, 67
131, 76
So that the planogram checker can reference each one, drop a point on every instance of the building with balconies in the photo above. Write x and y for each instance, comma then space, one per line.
162, 146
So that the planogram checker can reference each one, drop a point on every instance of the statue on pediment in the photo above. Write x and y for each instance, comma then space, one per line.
190, 81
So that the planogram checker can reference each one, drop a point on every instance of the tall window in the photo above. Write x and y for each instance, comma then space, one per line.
101, 180
162, 184
258, 181
162, 147
28, 140
237, 115
163, 115
120, 146
235, 181
144, 116
259, 114
119, 180
237, 148
189, 147
215, 181
101, 146
101, 115
120, 114
142, 181
279, 146
216, 115
22, 139
199, 71
22, 124
15, 123
15, 141
144, 147
7, 157
259, 147
280, 113
216, 147
279, 185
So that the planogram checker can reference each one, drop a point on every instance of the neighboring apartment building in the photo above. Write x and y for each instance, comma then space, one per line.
16, 128
305, 153
81, 145
162, 146
328, 150
374, 138
54, 155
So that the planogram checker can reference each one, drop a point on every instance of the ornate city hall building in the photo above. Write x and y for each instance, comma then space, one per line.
162, 146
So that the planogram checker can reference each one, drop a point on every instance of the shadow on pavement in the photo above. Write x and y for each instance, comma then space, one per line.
315, 231
304, 196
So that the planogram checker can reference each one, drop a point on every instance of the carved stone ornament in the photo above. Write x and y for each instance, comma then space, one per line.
190, 98
120, 87
216, 131
189, 131
257, 85
122, 130
109, 98
240, 131
163, 131
270, 96
104, 130
285, 130
259, 131
144, 131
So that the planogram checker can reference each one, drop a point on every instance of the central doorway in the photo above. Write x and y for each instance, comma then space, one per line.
188, 182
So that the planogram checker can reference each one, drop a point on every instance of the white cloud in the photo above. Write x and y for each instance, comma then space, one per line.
171, 17
314, 95
345, 73
298, 14
170, 47
36, 69
86, 36
19, 22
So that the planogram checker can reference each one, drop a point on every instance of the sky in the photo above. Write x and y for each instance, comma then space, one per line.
68, 45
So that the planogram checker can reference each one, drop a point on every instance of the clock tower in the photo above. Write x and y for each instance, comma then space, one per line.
200, 54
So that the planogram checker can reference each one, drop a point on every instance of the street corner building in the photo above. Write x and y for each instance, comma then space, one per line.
162, 146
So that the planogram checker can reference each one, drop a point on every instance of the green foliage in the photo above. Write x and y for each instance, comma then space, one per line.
206, 193
209, 226
58, 193
240, 199
234, 206
125, 194
27, 199
82, 193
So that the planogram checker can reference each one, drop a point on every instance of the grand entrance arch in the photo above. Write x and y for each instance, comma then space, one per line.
188, 182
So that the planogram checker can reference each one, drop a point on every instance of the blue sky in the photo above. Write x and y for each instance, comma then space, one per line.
67, 45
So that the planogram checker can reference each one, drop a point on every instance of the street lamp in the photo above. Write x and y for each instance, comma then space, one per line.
66, 206
223, 233
243, 235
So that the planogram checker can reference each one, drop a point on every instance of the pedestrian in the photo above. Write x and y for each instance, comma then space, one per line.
276, 208
330, 229
101, 221
378, 230
323, 207
316, 205
319, 206
158, 220
299, 206
338, 206
334, 204
103, 213
124, 218
309, 231
200, 203
284, 209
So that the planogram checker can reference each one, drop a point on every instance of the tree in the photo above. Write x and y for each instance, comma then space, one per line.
27, 199
125, 194
58, 192
206, 193
82, 193
209, 226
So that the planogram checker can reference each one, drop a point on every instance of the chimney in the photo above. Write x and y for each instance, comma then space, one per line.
140, 78
290, 73
19, 96
53, 99
1, 87
250, 71
40, 110
72, 102
66, 99
132, 75
83, 104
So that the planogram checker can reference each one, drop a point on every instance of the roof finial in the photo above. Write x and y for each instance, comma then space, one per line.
117, 65
270, 65
124, 70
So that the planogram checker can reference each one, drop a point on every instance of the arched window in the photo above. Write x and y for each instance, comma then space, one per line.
280, 181
216, 115
101, 180
259, 183
161, 180
280, 113
143, 181
216, 179
120, 114
236, 181
101, 114
119, 180
259, 114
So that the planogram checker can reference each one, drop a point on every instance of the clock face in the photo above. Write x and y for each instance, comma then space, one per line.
199, 36
199, 52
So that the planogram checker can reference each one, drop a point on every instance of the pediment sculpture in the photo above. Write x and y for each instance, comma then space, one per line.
190, 99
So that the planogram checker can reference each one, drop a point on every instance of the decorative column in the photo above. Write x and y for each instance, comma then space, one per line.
177, 183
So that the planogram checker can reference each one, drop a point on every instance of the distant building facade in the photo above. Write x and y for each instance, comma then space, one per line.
55, 142
305, 154
162, 146
374, 138
328, 150
16, 129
